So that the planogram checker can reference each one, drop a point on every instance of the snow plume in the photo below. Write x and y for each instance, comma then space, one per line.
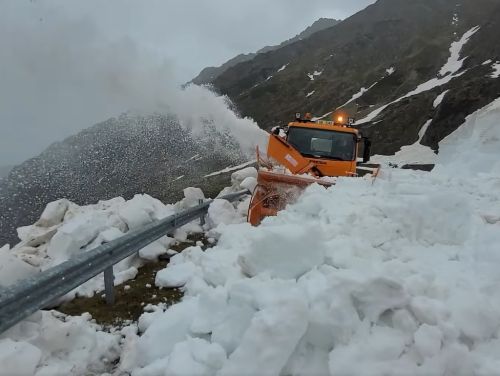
62, 72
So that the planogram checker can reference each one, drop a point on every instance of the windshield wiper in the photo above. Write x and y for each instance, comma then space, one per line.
323, 156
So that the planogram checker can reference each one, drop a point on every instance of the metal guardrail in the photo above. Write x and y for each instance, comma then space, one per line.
28, 296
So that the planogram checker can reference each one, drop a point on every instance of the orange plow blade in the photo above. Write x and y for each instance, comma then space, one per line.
274, 191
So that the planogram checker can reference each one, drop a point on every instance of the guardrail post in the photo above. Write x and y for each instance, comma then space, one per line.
109, 281
202, 217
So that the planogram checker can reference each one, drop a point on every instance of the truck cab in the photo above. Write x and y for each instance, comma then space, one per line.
332, 146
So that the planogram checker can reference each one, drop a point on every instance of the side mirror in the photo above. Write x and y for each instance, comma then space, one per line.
367, 149
276, 131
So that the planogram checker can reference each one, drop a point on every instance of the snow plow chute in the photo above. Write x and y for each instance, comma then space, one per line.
304, 153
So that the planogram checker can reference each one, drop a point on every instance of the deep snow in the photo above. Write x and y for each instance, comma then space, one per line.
396, 276
392, 277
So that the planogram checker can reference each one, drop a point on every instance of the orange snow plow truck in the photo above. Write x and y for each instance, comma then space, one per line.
307, 151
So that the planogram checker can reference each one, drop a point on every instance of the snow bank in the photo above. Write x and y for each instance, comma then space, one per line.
473, 148
356, 279
50, 343
65, 229
391, 278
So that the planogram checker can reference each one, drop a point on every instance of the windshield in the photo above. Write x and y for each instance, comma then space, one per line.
318, 143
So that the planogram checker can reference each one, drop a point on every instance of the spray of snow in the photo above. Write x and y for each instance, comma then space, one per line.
119, 75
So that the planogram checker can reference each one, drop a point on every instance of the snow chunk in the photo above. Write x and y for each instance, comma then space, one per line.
53, 213
249, 183
279, 336
170, 328
283, 253
12, 268
379, 295
18, 358
155, 249
175, 275
192, 196
454, 62
240, 175
195, 357
374, 351
141, 210
428, 340
223, 212
52, 343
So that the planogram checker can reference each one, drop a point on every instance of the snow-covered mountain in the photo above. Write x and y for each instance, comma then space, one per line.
393, 56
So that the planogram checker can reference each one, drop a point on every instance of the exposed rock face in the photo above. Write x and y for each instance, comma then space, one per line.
396, 44
119, 157
208, 75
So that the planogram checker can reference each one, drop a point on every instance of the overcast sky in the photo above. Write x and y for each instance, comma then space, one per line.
67, 64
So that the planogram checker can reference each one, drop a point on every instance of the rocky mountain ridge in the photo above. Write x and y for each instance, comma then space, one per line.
375, 57
209, 74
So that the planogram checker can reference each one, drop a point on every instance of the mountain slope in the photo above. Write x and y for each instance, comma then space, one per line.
393, 45
119, 157
208, 75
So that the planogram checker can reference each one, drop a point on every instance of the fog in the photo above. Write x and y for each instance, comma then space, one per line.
66, 64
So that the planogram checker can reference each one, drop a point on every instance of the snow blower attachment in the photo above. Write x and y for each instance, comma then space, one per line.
304, 153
